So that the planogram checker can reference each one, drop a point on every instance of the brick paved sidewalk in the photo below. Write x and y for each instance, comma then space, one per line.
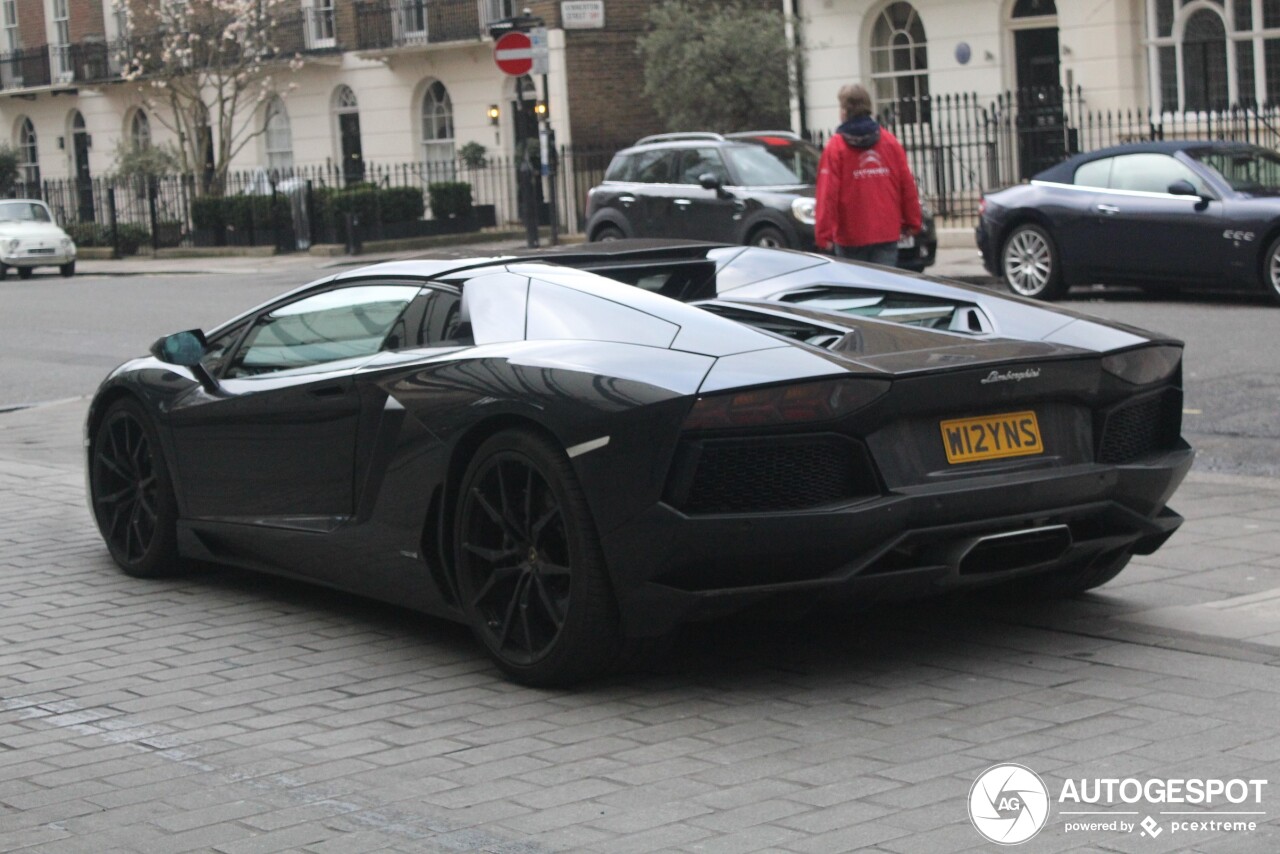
237, 713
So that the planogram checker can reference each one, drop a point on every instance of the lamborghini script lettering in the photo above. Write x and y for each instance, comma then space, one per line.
1016, 376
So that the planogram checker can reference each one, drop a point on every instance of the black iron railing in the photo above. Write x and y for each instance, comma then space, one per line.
382, 24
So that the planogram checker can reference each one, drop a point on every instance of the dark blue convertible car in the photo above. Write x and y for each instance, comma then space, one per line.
1154, 214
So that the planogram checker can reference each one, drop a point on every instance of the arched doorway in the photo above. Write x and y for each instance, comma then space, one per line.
347, 109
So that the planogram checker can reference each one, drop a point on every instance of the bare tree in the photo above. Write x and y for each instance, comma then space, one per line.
204, 68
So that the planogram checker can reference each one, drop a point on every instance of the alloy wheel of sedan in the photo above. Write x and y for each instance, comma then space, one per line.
530, 574
1030, 263
131, 495
769, 237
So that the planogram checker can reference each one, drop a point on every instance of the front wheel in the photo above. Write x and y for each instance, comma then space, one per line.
530, 572
25, 272
68, 269
606, 233
131, 493
1030, 263
1271, 271
768, 237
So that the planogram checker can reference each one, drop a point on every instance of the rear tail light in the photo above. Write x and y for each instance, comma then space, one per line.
1144, 365
790, 404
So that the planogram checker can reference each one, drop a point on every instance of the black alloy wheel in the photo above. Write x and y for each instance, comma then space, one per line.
68, 269
529, 569
25, 272
606, 233
132, 497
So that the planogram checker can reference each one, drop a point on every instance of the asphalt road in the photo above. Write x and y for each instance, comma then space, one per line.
59, 337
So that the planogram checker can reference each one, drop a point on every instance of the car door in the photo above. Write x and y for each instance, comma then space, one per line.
276, 444
651, 191
696, 212
1147, 233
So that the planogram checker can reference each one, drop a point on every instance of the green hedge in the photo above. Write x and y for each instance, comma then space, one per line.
450, 199
239, 213
131, 235
368, 202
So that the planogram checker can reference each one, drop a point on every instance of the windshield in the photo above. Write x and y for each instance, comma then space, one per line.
774, 160
1247, 170
23, 212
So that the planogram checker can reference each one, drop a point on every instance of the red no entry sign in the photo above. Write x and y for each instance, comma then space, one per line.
514, 54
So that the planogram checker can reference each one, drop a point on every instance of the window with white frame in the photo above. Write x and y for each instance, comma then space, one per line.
321, 31
60, 50
279, 137
900, 63
495, 10
28, 157
437, 132
9, 18
1211, 54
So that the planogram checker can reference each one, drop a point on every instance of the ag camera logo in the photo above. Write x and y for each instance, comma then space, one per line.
1008, 804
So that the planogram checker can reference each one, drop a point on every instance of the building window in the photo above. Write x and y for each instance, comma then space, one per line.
321, 30
12, 40
28, 159
279, 137
60, 50
140, 130
437, 132
900, 64
1206, 55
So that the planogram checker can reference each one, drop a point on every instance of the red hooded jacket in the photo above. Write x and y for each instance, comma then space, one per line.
865, 194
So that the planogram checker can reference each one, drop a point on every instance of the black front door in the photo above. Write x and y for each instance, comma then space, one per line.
1041, 123
352, 152
84, 180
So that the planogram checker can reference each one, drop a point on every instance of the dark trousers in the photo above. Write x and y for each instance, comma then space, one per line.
884, 254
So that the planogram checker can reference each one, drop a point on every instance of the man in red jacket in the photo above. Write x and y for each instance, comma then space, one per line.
867, 198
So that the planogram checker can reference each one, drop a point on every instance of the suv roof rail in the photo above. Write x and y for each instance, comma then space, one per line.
789, 134
679, 135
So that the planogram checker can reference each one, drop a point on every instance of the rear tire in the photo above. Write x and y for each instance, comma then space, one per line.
1030, 263
68, 269
25, 272
530, 571
607, 233
131, 493
1271, 271
769, 237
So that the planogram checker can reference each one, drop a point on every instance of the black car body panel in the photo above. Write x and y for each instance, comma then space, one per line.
1212, 234
347, 472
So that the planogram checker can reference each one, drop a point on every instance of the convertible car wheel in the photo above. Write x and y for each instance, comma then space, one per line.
1030, 263
530, 572
132, 497
1271, 271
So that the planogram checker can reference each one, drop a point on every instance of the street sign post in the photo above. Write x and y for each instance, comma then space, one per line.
514, 54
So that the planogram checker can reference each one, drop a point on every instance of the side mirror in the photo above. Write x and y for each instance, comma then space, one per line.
181, 348
711, 181
1183, 187
186, 349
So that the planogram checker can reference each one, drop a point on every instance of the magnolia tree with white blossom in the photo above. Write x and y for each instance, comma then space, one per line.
206, 66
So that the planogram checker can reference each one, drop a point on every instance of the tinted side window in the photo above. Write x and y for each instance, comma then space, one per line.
219, 349
1150, 173
695, 162
654, 167
620, 168
1095, 174
328, 326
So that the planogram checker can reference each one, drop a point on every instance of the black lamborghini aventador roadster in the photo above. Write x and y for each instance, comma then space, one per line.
574, 452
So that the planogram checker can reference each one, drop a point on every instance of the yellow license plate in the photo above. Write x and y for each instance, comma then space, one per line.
991, 437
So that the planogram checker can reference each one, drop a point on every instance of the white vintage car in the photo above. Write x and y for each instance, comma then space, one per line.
29, 238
